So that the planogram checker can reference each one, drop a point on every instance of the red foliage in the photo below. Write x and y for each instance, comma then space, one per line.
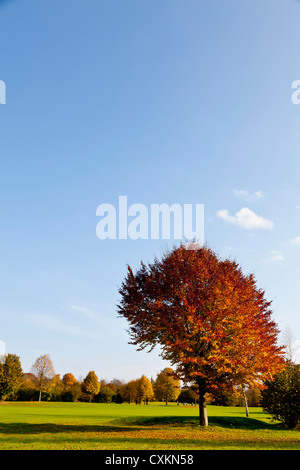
211, 321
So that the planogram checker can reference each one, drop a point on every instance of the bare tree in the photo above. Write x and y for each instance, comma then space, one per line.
43, 370
289, 344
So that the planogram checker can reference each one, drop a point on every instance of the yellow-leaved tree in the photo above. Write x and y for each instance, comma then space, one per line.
91, 384
145, 390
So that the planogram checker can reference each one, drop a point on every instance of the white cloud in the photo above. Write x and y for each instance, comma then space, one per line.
244, 193
275, 256
258, 194
107, 320
296, 240
241, 192
86, 312
247, 219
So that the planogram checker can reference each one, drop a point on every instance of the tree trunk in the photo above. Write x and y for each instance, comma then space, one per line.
203, 421
41, 386
246, 402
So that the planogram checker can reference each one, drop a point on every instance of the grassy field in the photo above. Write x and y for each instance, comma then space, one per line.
58, 426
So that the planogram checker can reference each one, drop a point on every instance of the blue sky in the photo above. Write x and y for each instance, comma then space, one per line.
164, 101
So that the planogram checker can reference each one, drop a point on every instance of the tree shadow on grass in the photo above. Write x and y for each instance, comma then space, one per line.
191, 421
242, 423
39, 428
135, 424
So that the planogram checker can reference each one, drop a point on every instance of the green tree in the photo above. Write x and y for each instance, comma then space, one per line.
91, 385
281, 397
167, 387
189, 395
73, 393
226, 398
107, 392
11, 376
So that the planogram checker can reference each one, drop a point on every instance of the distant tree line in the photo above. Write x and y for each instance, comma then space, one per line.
280, 397
42, 384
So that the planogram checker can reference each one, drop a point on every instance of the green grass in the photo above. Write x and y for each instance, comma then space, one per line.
57, 426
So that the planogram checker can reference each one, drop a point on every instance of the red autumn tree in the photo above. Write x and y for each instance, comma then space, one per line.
210, 320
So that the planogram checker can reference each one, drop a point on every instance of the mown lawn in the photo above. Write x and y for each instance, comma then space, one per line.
92, 426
